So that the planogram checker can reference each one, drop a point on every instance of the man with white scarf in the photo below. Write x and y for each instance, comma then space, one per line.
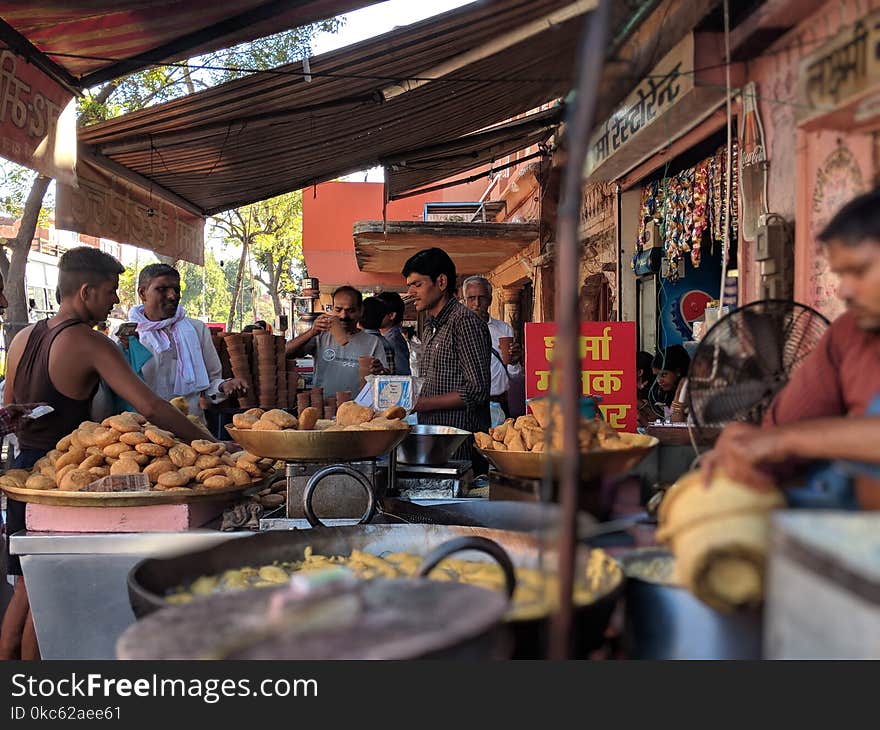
183, 359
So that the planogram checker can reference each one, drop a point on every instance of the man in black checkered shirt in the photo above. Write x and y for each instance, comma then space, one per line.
455, 352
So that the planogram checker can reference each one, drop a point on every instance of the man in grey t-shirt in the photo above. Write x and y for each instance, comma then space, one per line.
336, 364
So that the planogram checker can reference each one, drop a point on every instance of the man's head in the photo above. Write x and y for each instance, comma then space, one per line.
430, 278
478, 295
347, 306
396, 308
159, 290
670, 366
373, 313
852, 243
87, 282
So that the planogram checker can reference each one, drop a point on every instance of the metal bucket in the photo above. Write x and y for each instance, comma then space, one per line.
665, 621
431, 445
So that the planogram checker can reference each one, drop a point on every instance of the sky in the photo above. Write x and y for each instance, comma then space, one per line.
381, 18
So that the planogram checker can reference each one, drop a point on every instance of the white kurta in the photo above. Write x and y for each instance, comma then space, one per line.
160, 371
500, 374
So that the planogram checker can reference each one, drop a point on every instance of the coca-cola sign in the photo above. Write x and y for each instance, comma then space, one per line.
753, 164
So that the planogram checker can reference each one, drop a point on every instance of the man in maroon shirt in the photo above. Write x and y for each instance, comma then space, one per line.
825, 412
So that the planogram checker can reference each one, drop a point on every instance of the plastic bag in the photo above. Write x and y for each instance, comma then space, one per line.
381, 392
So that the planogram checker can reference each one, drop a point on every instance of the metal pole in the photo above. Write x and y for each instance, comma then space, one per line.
579, 124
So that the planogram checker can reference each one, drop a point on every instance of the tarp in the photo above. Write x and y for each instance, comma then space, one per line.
271, 133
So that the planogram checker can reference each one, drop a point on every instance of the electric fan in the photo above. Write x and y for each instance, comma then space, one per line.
746, 358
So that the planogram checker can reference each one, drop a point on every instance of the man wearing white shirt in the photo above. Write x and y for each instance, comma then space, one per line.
477, 292
181, 360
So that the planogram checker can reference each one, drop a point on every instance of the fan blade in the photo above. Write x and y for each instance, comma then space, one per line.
734, 401
766, 332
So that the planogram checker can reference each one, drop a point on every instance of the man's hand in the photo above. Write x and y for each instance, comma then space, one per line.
17, 412
741, 451
322, 324
515, 353
233, 385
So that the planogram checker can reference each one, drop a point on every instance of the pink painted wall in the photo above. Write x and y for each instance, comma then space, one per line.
331, 209
811, 173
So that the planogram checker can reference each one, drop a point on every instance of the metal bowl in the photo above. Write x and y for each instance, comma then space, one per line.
431, 445
594, 464
330, 446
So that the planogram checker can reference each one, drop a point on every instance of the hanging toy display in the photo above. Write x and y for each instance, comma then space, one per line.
700, 213
688, 205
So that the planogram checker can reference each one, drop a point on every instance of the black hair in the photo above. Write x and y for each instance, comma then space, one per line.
644, 362
856, 221
673, 358
261, 323
154, 271
358, 297
85, 265
432, 262
395, 304
374, 312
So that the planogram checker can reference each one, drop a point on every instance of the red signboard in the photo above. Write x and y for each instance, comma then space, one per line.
37, 119
608, 352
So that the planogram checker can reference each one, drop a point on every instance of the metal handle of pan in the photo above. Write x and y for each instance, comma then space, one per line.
472, 542
337, 470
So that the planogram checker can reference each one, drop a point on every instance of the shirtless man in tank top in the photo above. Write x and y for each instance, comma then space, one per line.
61, 360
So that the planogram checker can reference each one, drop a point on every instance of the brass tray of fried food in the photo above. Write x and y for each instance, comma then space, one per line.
530, 446
357, 433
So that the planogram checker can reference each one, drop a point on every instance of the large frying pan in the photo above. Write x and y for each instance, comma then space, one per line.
151, 579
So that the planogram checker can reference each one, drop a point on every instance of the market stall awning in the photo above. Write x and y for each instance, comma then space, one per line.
414, 169
476, 248
426, 83
83, 43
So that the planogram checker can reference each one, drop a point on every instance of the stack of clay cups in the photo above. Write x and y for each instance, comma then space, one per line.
303, 401
264, 350
281, 372
330, 407
238, 360
317, 400
292, 383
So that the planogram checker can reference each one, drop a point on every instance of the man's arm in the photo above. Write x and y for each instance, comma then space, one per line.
473, 347
116, 372
305, 343
16, 348
746, 452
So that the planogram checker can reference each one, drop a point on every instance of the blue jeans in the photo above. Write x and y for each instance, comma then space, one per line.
15, 510
830, 483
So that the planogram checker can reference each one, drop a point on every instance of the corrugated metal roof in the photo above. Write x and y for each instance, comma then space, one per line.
411, 170
109, 31
267, 134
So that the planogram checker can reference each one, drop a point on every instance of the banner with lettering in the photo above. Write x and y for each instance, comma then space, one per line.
608, 352
37, 120
845, 67
108, 206
670, 79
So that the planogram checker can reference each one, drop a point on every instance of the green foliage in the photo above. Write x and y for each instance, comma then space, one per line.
206, 291
164, 83
272, 231
14, 189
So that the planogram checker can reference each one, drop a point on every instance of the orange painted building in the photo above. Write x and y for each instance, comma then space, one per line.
331, 209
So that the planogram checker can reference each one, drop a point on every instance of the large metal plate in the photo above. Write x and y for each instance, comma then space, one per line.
318, 445
594, 465
59, 498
